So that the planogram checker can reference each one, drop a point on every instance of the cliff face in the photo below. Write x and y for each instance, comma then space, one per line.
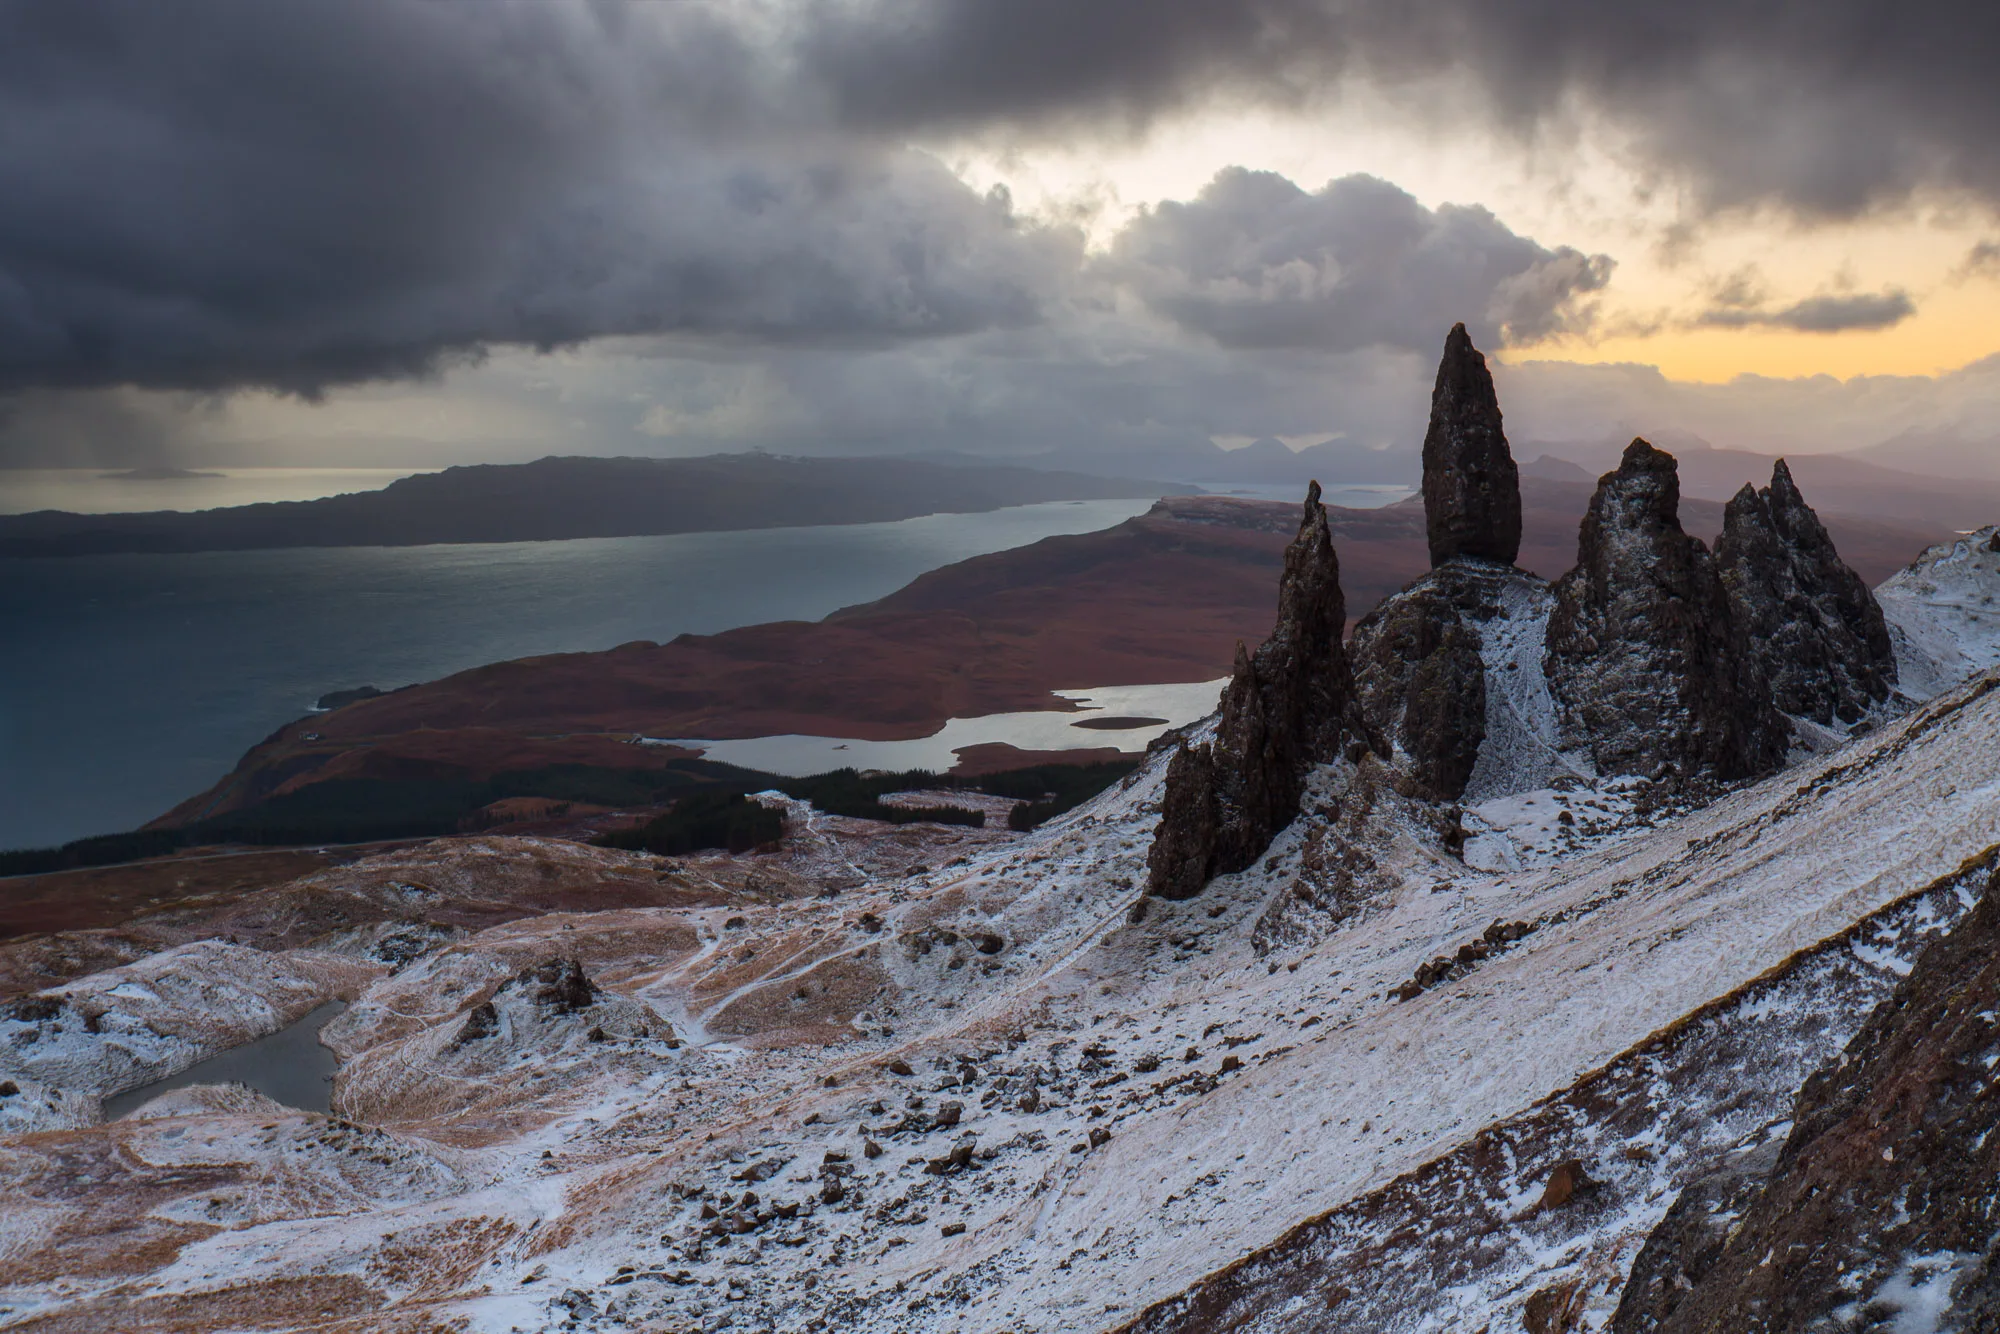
1288, 706
1812, 625
1472, 490
1881, 1202
1650, 670
1421, 680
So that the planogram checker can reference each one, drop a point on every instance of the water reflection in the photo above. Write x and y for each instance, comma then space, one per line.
288, 1066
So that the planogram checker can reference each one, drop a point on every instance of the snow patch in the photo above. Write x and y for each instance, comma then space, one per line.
1943, 612
1519, 750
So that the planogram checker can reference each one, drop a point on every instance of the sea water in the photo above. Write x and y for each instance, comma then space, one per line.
130, 682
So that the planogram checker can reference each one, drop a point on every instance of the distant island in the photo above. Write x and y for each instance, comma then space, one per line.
157, 475
557, 498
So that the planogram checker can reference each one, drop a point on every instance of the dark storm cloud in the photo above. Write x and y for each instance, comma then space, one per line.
1254, 261
1828, 107
212, 194
1836, 313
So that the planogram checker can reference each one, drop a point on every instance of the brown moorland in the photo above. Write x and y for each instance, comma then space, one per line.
1160, 598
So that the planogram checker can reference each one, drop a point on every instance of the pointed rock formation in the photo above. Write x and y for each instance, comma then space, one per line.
1472, 490
1287, 707
1418, 662
1813, 626
1651, 672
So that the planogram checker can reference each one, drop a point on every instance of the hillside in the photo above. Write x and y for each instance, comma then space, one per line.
557, 498
1479, 968
1164, 597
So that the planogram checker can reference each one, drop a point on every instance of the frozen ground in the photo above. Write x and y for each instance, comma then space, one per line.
930, 1079
1944, 613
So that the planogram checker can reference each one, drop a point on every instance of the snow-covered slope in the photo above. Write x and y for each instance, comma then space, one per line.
1944, 614
1082, 1102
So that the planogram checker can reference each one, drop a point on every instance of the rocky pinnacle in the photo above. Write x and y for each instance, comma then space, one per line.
1651, 671
1288, 706
1472, 490
1813, 625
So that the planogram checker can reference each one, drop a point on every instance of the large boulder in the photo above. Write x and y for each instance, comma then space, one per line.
1287, 707
1650, 671
1472, 490
1812, 624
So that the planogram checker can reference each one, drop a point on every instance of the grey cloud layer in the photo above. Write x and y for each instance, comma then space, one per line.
213, 194
1827, 106
299, 193
1828, 313
1254, 261
227, 193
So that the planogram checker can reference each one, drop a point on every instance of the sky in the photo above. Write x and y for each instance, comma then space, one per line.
378, 232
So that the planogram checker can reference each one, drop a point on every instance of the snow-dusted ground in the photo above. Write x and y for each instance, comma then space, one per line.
1308, 1089
1944, 614
1519, 749
1081, 1103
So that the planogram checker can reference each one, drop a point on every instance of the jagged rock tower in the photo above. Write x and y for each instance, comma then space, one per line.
1472, 490
1417, 662
1651, 671
1288, 706
1813, 625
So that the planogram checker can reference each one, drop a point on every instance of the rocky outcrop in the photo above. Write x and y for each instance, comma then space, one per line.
1812, 624
1651, 672
559, 986
1472, 490
1287, 707
1420, 679
1686, 1243
1880, 1212
1417, 657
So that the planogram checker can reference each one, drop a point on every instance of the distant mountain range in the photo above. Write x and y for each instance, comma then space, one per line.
557, 498
1266, 461
1946, 453
1858, 484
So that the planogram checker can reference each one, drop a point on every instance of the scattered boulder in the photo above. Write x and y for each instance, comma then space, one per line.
1651, 672
1287, 707
1472, 489
481, 1021
559, 986
1811, 623
1556, 1309
1567, 1181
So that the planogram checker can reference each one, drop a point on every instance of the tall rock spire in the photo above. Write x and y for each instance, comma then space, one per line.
1472, 490
1813, 625
1287, 707
1649, 666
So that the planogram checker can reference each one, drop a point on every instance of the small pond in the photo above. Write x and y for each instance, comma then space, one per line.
288, 1066
1122, 717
